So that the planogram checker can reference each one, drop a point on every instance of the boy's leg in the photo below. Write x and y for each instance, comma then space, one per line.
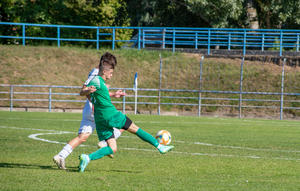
103, 134
148, 138
110, 149
85, 159
85, 130
143, 135
81, 138
117, 134
60, 158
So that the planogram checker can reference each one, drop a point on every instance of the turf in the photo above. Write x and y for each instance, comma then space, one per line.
210, 154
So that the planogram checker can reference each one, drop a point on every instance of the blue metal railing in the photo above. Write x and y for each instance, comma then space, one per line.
54, 95
171, 37
200, 97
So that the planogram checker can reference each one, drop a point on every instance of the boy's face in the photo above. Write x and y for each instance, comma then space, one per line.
107, 74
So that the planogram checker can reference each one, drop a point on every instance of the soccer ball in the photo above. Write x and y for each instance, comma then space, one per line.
163, 137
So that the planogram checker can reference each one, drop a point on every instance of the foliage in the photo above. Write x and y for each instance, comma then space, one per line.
178, 13
163, 13
224, 13
278, 13
75, 12
213, 13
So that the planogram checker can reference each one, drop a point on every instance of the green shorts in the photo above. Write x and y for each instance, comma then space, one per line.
104, 127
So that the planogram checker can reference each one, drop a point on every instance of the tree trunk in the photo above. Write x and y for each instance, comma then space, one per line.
252, 15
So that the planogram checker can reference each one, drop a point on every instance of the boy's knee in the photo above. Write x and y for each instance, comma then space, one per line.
112, 144
83, 137
133, 128
82, 140
114, 149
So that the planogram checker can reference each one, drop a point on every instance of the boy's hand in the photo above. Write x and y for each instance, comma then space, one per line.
119, 93
91, 89
87, 90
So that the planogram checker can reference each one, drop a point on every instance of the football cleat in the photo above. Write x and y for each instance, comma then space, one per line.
164, 149
84, 161
60, 162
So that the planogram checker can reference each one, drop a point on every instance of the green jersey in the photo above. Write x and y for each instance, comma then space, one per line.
105, 114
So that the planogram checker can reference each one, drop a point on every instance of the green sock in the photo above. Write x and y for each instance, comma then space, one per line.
101, 153
147, 137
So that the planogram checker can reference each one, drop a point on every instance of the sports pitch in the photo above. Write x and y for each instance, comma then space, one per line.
210, 154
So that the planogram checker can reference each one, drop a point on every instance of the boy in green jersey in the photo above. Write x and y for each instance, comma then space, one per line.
107, 116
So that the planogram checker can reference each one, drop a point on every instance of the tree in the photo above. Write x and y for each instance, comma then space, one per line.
166, 13
278, 13
252, 18
248, 13
75, 12
218, 13
215, 13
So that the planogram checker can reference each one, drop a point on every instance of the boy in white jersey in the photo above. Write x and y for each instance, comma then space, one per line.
87, 124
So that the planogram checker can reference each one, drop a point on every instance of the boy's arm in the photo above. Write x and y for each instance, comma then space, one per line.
117, 94
85, 91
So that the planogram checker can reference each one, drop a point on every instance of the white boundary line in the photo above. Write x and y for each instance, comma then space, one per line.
39, 119
35, 137
55, 132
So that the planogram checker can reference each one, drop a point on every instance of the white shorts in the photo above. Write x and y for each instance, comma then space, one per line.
87, 126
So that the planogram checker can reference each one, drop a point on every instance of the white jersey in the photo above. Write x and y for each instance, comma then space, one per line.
88, 113
93, 73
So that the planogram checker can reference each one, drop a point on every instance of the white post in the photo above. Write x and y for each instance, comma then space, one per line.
160, 80
200, 87
241, 88
11, 97
135, 91
282, 89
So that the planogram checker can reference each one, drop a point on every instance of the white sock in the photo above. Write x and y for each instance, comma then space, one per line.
64, 153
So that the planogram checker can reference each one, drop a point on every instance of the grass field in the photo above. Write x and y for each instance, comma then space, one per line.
210, 154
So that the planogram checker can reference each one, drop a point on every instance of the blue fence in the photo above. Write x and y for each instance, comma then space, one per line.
13, 95
166, 37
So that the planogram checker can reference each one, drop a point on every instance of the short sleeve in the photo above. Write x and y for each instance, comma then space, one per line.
94, 82
92, 75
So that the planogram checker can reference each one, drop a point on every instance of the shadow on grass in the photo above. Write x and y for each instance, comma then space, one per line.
122, 171
75, 169
69, 169
33, 166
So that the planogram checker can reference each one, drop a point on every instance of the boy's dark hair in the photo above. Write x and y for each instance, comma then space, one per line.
107, 61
